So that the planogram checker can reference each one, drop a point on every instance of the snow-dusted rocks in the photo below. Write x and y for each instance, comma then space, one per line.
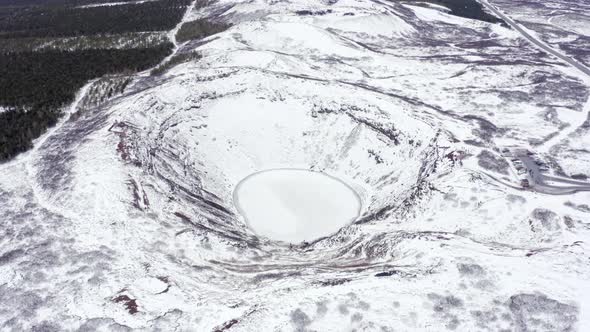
123, 218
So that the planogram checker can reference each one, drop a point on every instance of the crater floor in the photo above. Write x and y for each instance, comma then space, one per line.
295, 205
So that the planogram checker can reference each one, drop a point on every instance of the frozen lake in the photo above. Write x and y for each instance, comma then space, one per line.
295, 205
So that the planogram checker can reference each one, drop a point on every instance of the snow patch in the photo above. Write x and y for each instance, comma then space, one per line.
376, 24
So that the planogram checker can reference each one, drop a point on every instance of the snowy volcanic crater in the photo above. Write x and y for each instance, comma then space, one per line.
124, 217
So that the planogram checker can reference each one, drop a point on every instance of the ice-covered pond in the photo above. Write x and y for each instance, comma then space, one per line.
295, 205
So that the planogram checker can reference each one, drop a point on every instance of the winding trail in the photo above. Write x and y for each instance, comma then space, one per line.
172, 37
535, 41
539, 183
184, 19
563, 134
31, 157
581, 119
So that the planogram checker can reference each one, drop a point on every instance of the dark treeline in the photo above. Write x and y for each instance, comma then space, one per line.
67, 21
175, 60
199, 29
38, 85
468, 9
31, 78
35, 86
22, 3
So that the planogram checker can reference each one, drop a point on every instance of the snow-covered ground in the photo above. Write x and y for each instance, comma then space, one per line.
561, 23
123, 218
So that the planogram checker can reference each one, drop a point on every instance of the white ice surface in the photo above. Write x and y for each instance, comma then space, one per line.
294, 205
